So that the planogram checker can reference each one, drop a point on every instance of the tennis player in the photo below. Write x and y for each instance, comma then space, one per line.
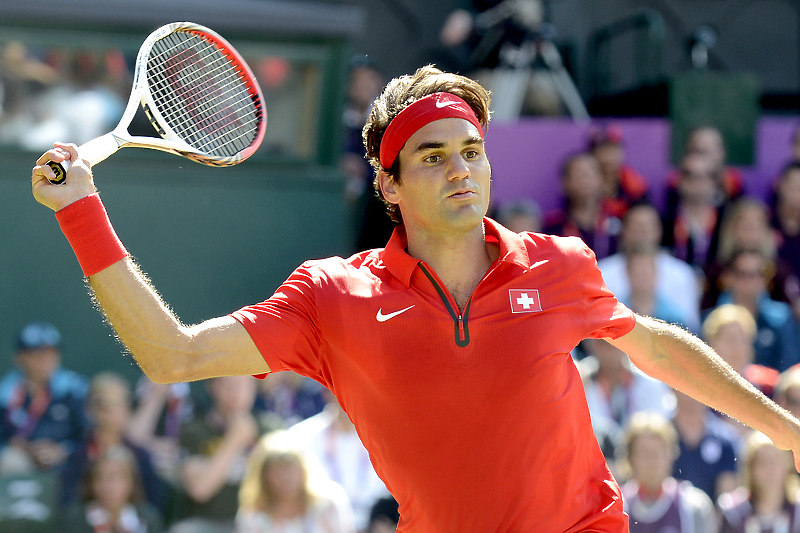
449, 349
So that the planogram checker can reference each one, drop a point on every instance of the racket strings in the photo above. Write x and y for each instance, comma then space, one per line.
202, 95
211, 114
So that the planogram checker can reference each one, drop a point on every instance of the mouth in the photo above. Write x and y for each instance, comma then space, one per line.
462, 194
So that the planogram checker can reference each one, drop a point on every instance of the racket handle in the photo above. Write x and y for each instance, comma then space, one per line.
60, 170
93, 152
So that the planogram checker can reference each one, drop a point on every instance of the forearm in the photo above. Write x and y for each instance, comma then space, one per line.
204, 477
683, 361
151, 332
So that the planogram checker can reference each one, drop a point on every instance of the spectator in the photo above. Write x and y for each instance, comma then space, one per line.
109, 408
113, 498
767, 501
41, 404
156, 421
215, 447
786, 217
283, 492
373, 227
622, 184
745, 280
707, 141
643, 297
677, 283
520, 215
746, 225
693, 215
616, 390
330, 437
583, 214
787, 391
708, 447
731, 330
654, 500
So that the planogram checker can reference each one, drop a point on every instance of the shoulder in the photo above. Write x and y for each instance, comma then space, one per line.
553, 246
775, 313
8, 384
68, 383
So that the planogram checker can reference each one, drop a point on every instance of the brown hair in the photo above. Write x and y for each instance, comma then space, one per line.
404, 91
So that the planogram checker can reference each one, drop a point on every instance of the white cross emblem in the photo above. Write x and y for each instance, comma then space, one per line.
525, 301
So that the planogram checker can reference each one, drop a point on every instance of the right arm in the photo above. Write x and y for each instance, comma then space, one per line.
167, 350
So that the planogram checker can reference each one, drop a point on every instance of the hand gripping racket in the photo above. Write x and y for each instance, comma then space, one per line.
199, 95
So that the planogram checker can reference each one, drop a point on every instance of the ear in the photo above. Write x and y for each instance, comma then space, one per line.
388, 187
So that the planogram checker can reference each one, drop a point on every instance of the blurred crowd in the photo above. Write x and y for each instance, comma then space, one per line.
230, 454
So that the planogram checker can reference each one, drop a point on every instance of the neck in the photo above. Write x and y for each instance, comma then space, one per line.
460, 260
106, 438
643, 302
691, 425
287, 509
585, 213
34, 387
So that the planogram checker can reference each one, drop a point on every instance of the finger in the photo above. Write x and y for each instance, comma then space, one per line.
55, 154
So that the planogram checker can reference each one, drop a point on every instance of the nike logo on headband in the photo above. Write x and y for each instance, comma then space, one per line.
445, 104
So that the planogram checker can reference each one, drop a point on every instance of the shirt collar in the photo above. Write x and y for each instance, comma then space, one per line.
402, 265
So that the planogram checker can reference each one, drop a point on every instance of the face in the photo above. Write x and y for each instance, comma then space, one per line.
444, 178
698, 181
111, 484
284, 479
790, 400
769, 467
750, 228
650, 460
734, 346
38, 364
110, 408
642, 227
745, 279
610, 157
233, 394
789, 190
707, 142
582, 179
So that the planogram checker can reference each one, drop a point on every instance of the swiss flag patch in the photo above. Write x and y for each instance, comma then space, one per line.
525, 300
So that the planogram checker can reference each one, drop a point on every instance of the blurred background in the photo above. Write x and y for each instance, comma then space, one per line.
215, 239
662, 132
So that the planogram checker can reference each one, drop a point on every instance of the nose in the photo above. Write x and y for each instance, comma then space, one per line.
457, 168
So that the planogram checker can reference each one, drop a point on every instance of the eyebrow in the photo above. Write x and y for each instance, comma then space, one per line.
434, 145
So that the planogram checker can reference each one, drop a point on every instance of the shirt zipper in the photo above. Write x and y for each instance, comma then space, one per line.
460, 320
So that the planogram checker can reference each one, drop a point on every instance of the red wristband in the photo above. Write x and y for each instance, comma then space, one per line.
88, 230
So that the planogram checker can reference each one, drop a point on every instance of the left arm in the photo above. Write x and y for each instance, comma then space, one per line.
683, 361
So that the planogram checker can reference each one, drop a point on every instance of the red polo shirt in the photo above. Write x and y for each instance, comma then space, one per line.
475, 421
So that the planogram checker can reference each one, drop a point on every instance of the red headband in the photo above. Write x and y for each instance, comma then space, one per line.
421, 113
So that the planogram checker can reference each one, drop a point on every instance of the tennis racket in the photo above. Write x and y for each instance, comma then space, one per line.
199, 95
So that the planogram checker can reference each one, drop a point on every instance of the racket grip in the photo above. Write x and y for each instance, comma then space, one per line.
60, 170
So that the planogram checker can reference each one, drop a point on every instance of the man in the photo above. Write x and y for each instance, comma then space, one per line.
449, 349
41, 404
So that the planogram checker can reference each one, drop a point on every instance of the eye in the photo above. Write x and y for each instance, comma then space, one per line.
433, 158
471, 154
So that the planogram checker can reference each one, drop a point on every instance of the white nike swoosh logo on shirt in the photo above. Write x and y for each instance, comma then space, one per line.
383, 318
